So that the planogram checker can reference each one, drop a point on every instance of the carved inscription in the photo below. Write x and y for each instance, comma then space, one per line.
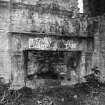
48, 43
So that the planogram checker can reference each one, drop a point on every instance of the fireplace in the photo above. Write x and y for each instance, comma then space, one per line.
56, 65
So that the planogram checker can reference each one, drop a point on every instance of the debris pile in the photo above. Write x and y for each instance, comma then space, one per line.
25, 96
89, 93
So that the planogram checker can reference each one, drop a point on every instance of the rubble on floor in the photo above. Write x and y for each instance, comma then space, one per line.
79, 94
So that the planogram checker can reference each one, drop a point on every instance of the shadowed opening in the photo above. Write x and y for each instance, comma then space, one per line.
51, 64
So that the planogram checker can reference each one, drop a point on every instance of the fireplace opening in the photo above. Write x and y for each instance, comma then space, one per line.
51, 64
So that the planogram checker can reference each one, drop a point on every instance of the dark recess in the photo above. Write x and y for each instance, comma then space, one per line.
94, 7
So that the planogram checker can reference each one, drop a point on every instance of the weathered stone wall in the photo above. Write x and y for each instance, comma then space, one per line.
102, 45
44, 17
63, 4
5, 65
22, 16
98, 58
40, 16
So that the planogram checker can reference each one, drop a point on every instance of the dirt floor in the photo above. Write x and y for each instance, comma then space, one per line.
79, 94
